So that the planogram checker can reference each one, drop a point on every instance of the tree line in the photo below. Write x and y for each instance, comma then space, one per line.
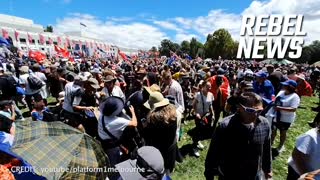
221, 43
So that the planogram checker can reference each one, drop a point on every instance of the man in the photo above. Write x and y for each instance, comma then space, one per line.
174, 89
73, 92
275, 77
110, 89
263, 86
241, 145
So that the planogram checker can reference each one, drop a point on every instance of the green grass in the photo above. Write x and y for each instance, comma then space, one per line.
193, 168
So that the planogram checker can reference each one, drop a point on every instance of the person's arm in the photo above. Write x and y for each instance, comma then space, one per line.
13, 113
289, 109
301, 161
267, 157
133, 121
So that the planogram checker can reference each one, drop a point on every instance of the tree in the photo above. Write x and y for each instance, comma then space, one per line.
196, 48
220, 43
153, 49
166, 46
48, 29
185, 47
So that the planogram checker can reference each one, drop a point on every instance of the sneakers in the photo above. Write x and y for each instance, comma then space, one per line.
281, 149
196, 152
200, 146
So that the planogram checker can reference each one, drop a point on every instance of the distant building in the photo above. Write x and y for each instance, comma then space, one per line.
29, 37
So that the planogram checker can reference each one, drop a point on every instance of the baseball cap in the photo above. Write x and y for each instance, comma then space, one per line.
290, 82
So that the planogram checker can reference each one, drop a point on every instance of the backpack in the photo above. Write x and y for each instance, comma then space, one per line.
7, 87
34, 82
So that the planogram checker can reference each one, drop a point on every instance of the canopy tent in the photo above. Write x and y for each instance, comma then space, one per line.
274, 61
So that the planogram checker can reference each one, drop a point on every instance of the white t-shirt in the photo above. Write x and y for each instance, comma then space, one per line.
309, 143
207, 102
43, 91
68, 103
115, 126
291, 100
175, 90
116, 91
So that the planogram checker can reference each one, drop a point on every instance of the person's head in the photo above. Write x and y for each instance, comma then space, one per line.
205, 86
109, 82
1, 70
167, 77
289, 86
39, 105
91, 85
6, 104
112, 106
249, 107
270, 68
163, 114
261, 76
245, 86
36, 68
148, 159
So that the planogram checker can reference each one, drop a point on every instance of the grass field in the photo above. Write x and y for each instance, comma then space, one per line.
193, 168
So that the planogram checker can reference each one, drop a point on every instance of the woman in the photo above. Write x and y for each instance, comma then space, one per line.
202, 106
111, 126
286, 103
161, 128
306, 154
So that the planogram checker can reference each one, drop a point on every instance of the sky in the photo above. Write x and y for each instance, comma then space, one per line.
142, 24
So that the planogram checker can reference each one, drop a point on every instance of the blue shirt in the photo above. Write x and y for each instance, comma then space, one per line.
265, 90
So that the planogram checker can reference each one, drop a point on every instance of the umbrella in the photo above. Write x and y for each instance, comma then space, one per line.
316, 63
58, 151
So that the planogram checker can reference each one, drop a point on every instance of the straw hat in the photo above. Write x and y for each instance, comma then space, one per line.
156, 100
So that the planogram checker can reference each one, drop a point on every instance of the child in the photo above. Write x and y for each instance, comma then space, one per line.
37, 112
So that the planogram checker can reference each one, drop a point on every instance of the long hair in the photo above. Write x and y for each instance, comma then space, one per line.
166, 114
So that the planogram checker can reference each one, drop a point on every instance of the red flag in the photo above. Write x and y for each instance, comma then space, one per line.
50, 41
123, 55
41, 38
37, 55
30, 38
5, 34
59, 40
63, 52
16, 35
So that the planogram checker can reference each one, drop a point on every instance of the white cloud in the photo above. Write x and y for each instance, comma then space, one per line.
168, 25
181, 37
133, 34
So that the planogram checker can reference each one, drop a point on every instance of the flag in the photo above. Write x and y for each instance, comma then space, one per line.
3, 41
5, 34
59, 40
16, 35
188, 57
50, 41
37, 55
83, 24
29, 38
87, 44
123, 55
41, 39
80, 44
62, 52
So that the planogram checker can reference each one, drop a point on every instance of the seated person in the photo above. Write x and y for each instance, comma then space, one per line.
38, 110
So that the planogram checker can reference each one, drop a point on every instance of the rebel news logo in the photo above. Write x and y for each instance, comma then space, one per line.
277, 33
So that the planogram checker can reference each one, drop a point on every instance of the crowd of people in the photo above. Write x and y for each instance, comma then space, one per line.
133, 107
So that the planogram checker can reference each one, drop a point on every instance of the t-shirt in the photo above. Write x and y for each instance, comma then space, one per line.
309, 143
115, 126
207, 103
291, 100
175, 90
116, 91
6, 139
72, 91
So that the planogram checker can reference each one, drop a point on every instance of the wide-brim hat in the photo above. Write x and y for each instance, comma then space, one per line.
24, 69
156, 100
109, 78
112, 106
93, 83
152, 88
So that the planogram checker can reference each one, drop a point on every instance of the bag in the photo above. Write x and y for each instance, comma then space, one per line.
34, 82
7, 87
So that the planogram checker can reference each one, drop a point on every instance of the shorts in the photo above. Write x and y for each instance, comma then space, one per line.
282, 126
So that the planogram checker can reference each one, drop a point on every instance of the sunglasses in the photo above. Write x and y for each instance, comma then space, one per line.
251, 110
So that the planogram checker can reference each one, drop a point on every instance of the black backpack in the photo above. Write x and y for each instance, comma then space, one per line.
34, 82
8, 87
